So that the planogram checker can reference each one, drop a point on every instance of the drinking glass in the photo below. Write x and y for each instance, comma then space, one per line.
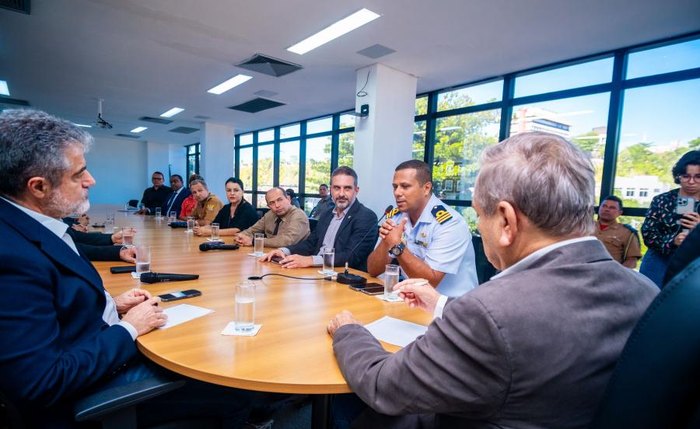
143, 259
245, 306
258, 244
128, 236
158, 213
391, 277
172, 217
328, 255
190, 224
214, 232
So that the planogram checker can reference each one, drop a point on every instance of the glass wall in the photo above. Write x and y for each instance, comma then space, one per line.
633, 110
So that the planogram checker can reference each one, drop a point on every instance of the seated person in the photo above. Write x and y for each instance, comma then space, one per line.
189, 203
101, 247
156, 195
235, 216
324, 204
425, 236
283, 225
176, 197
621, 240
351, 229
208, 204
293, 197
535, 346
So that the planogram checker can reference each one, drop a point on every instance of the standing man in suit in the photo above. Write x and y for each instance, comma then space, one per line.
62, 334
535, 346
156, 195
176, 197
350, 228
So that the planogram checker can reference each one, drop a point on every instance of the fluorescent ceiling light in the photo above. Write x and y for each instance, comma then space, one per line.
333, 31
82, 125
4, 90
231, 83
172, 112
138, 129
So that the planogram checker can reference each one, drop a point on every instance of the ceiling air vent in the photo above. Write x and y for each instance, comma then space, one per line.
155, 120
376, 51
184, 130
9, 103
23, 6
128, 136
256, 105
269, 66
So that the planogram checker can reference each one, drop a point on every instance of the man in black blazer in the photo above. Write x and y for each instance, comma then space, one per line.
176, 197
350, 228
102, 247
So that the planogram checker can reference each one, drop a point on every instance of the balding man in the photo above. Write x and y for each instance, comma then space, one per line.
536, 345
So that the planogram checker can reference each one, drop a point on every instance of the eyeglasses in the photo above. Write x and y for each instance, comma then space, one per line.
687, 177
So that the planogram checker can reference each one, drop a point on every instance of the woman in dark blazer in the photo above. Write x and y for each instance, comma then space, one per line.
235, 216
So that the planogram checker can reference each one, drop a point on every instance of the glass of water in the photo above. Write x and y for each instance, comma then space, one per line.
259, 244
128, 236
328, 254
190, 225
245, 306
143, 259
391, 277
159, 213
109, 223
214, 232
172, 217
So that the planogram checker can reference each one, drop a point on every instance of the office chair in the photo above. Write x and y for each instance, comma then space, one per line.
312, 224
114, 408
133, 203
484, 269
655, 383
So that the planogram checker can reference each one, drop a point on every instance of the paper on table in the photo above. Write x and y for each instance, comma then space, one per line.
395, 331
183, 313
230, 329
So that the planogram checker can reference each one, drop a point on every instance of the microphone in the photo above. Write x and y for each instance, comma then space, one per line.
166, 277
178, 224
352, 279
217, 246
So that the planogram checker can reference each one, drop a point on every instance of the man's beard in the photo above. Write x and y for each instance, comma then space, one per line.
61, 207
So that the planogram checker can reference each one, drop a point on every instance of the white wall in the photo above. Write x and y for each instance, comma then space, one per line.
120, 170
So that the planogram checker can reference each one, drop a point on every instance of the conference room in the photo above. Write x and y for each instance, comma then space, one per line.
231, 89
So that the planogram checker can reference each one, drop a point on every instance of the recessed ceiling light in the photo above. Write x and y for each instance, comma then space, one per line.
231, 83
172, 112
333, 31
138, 129
4, 90
82, 125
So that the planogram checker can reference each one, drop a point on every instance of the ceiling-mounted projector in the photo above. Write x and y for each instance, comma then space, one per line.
101, 122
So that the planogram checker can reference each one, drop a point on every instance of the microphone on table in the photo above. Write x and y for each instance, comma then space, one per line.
166, 277
217, 245
352, 279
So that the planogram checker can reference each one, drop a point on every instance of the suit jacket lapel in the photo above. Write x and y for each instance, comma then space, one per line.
348, 217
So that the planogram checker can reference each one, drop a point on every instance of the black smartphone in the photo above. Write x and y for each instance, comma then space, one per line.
166, 297
276, 259
373, 289
122, 270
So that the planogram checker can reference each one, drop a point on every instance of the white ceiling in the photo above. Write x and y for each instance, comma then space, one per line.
146, 56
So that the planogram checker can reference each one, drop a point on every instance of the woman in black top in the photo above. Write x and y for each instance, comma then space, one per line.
235, 216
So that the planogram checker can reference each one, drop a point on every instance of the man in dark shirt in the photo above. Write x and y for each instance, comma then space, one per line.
156, 195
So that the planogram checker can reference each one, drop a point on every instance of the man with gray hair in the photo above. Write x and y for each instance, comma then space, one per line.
533, 347
62, 334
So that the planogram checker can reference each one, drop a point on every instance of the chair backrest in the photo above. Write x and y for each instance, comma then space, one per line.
133, 203
656, 383
312, 224
261, 211
484, 269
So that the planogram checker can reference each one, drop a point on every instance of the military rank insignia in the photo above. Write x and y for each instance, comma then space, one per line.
440, 214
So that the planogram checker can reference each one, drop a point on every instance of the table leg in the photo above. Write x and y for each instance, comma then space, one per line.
320, 411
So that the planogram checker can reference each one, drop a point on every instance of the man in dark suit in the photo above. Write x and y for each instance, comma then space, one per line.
101, 247
176, 197
350, 228
533, 347
62, 334
155, 196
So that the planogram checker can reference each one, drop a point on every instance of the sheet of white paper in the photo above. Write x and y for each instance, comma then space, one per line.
395, 331
183, 313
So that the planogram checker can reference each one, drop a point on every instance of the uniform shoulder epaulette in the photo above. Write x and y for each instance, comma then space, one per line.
441, 214
393, 212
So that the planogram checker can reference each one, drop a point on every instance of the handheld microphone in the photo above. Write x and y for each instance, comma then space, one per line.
217, 246
166, 277
352, 279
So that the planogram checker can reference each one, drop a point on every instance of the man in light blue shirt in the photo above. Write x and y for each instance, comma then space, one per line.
426, 237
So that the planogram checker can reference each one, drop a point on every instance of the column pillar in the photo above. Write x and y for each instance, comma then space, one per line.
216, 164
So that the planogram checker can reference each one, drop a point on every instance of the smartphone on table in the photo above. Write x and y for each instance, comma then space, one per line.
372, 289
174, 296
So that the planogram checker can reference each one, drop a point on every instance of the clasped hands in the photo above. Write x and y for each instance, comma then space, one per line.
291, 261
391, 232
416, 293
141, 310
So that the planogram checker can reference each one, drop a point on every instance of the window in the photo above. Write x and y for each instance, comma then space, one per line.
470, 96
629, 192
567, 77
193, 158
665, 59
266, 136
418, 149
643, 192
289, 165
659, 125
346, 148
245, 160
245, 139
319, 125
318, 163
422, 105
290, 131
265, 167
347, 120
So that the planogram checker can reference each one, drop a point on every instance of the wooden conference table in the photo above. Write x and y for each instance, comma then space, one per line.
292, 352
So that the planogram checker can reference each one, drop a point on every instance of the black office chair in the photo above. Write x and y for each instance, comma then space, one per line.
133, 203
114, 408
261, 211
655, 383
312, 224
484, 269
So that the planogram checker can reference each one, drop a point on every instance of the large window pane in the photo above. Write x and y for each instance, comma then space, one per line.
245, 139
575, 76
289, 165
290, 131
347, 120
246, 167
470, 96
418, 149
318, 163
681, 56
582, 120
266, 161
459, 141
659, 124
266, 135
346, 149
319, 125
422, 105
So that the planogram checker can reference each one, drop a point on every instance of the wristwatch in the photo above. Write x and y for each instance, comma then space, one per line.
397, 250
